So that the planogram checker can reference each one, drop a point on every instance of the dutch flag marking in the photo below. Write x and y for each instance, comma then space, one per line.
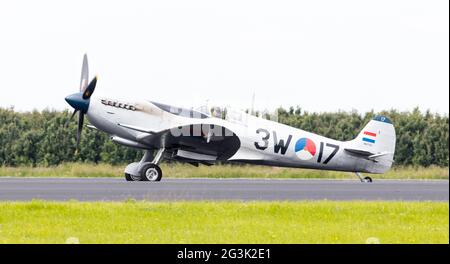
369, 137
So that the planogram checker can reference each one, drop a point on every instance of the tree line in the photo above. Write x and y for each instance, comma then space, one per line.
40, 138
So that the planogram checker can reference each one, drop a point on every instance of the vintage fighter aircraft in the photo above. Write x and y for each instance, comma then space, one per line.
220, 134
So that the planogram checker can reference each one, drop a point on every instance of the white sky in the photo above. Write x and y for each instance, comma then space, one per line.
320, 55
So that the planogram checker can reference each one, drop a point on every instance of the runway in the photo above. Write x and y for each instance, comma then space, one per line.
98, 189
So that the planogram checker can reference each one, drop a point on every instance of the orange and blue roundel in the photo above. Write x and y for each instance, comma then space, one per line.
305, 149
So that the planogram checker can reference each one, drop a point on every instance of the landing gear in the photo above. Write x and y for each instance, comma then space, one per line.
131, 177
151, 172
365, 179
147, 169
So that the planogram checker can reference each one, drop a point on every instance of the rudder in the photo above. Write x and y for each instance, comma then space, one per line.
377, 142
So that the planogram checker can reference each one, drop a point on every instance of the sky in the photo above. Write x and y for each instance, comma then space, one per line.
318, 55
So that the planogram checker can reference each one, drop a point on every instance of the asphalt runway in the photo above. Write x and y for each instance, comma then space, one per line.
98, 189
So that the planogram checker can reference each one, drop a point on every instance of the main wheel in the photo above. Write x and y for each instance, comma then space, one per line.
151, 172
367, 179
130, 177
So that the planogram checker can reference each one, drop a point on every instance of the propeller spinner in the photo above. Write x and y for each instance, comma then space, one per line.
80, 101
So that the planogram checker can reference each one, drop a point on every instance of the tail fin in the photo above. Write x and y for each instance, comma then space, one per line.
376, 142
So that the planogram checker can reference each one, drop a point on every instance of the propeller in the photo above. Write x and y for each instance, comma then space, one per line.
80, 101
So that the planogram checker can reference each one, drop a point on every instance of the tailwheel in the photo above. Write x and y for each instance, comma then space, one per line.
130, 177
151, 172
367, 179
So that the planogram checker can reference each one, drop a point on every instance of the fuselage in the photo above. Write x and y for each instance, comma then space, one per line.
261, 141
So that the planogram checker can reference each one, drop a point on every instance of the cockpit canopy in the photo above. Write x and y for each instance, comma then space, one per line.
224, 112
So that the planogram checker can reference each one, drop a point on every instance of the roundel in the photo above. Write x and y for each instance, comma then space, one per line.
305, 149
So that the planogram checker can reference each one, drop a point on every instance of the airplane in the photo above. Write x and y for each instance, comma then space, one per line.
220, 134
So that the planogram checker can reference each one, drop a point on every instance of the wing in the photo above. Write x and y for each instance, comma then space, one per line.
194, 142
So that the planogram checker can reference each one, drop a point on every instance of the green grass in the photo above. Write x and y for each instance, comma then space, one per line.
224, 222
219, 171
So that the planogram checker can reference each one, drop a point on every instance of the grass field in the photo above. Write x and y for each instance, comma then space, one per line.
224, 222
219, 171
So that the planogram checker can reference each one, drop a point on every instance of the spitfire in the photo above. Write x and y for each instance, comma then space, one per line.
210, 134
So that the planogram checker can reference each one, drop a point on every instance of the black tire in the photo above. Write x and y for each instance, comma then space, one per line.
151, 172
129, 177
367, 179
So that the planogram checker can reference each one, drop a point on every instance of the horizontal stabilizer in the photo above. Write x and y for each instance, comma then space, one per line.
360, 152
367, 154
375, 156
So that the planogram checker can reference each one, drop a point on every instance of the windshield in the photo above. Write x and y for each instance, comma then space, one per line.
224, 112
181, 111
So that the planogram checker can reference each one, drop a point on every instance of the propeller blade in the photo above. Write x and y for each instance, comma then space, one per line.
84, 74
90, 89
71, 117
80, 127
